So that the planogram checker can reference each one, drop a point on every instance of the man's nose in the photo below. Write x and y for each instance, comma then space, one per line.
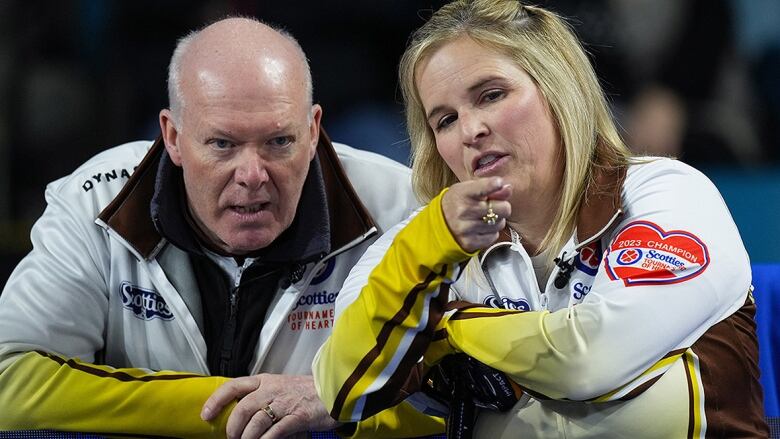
251, 171
472, 128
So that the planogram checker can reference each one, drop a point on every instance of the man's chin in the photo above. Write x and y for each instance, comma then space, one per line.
247, 244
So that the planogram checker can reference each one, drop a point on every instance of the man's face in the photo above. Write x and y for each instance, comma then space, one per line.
245, 153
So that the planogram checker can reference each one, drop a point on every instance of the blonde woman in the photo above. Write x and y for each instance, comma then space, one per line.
613, 291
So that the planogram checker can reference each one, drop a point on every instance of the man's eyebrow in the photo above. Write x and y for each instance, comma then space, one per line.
476, 86
217, 132
237, 133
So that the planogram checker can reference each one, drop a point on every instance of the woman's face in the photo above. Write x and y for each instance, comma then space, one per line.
489, 118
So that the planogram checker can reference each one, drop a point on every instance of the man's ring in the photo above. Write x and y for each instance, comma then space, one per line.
491, 217
270, 412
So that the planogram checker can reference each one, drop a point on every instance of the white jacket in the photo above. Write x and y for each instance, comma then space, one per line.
651, 335
114, 293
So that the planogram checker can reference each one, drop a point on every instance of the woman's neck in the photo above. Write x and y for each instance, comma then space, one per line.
532, 219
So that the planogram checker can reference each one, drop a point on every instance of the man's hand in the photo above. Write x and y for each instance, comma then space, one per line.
293, 401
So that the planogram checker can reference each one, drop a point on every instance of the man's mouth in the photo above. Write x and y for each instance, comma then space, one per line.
249, 208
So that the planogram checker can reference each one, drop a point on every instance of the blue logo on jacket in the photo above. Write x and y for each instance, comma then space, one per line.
145, 304
507, 303
324, 273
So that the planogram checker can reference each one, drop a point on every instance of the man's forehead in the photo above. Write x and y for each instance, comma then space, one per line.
269, 88
258, 76
242, 45
227, 120
255, 67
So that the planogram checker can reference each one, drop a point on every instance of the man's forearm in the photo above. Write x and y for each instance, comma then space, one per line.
44, 391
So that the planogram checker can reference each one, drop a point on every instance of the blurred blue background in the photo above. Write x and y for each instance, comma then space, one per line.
697, 79
753, 196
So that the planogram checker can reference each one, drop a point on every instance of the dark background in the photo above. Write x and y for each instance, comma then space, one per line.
79, 76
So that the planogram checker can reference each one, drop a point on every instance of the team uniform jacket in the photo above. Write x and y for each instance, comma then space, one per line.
112, 292
651, 336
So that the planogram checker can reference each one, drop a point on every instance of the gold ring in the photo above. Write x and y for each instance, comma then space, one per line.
490, 217
270, 412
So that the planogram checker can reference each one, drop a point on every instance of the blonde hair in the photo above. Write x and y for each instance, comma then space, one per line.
543, 45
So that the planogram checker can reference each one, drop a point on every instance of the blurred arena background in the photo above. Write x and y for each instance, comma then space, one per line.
698, 79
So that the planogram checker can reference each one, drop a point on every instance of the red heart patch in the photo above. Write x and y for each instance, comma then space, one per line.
645, 254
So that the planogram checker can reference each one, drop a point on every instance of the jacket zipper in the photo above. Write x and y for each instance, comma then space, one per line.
228, 337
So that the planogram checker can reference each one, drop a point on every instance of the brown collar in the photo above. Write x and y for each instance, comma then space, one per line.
602, 202
128, 214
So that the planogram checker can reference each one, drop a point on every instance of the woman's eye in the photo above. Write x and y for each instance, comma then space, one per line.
492, 95
446, 121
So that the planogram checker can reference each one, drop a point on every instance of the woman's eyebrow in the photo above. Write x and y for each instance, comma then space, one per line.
476, 86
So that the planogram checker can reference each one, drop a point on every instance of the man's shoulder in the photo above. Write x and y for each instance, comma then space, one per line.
102, 176
105, 172
350, 156
383, 185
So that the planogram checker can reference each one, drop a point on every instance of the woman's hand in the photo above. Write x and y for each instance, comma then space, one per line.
466, 208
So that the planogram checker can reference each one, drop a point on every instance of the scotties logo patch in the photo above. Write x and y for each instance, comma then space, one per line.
645, 254
507, 303
145, 304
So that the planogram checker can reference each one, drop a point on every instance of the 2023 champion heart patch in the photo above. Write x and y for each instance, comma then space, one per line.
645, 254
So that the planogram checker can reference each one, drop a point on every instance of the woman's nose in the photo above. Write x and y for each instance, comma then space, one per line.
472, 128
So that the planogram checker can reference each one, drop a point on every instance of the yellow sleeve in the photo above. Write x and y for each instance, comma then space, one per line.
362, 368
43, 391
398, 324
400, 421
542, 351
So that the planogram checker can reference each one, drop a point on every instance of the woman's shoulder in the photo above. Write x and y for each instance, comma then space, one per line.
661, 171
655, 165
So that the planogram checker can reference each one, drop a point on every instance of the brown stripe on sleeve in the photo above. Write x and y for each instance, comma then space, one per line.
118, 375
477, 315
462, 305
691, 402
381, 341
407, 378
441, 334
675, 352
641, 388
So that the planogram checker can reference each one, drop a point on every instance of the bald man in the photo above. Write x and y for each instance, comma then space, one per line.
181, 287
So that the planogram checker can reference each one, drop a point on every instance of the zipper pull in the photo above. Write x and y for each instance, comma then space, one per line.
296, 273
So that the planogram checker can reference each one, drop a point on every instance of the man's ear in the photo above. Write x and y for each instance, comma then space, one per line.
170, 135
314, 127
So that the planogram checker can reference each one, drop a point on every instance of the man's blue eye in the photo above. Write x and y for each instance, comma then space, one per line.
281, 141
222, 143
